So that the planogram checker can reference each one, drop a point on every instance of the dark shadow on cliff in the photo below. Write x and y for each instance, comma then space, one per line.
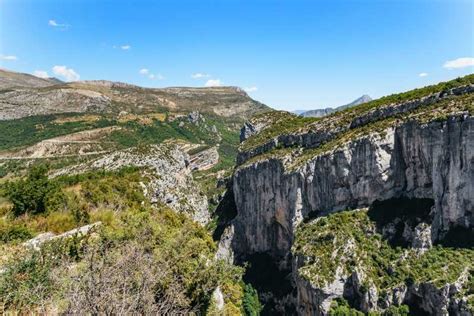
225, 212
400, 213
271, 283
458, 237
414, 304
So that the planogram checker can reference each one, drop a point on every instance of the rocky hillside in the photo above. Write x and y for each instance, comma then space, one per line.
108, 197
358, 209
13, 80
23, 95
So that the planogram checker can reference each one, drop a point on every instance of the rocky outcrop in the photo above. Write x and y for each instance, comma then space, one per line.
35, 243
28, 102
170, 178
433, 161
204, 160
250, 129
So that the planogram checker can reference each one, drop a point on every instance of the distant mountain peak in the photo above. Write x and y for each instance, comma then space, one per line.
323, 112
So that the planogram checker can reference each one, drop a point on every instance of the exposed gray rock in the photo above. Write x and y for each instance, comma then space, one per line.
224, 247
422, 237
195, 117
434, 160
204, 160
35, 243
25, 102
250, 129
171, 181
218, 298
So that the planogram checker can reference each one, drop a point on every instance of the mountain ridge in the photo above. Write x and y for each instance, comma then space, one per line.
26, 95
326, 111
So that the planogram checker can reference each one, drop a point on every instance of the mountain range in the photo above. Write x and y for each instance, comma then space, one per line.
323, 112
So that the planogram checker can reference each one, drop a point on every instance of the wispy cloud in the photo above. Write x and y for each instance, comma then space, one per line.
8, 57
250, 89
422, 74
40, 74
67, 73
462, 62
143, 71
125, 47
213, 83
200, 75
62, 26
158, 76
146, 72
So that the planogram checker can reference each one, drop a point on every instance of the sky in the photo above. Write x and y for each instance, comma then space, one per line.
288, 54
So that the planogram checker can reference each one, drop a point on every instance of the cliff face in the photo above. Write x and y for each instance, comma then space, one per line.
435, 160
276, 193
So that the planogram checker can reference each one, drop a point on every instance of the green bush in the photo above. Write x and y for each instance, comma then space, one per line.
30, 195
340, 307
250, 302
10, 233
401, 310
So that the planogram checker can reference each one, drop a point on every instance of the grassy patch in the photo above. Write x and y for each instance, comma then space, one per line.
30, 130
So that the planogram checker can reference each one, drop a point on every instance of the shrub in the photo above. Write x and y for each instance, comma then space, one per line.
30, 195
251, 304
340, 307
26, 284
15, 232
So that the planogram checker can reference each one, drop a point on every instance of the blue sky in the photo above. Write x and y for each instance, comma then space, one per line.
288, 54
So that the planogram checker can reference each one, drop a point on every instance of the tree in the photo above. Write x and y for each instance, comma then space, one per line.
30, 195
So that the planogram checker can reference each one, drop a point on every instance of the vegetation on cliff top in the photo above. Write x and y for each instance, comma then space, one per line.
434, 112
295, 124
349, 241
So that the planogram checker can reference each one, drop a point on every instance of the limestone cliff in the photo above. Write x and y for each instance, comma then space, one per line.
416, 149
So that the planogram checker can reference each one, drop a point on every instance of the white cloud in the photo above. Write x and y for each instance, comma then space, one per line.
67, 73
459, 63
146, 72
53, 23
158, 76
40, 74
8, 57
251, 89
200, 75
422, 74
213, 83
125, 47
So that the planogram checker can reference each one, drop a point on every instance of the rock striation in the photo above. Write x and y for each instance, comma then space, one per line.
414, 158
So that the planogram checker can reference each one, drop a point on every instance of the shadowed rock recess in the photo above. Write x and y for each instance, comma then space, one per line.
373, 205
